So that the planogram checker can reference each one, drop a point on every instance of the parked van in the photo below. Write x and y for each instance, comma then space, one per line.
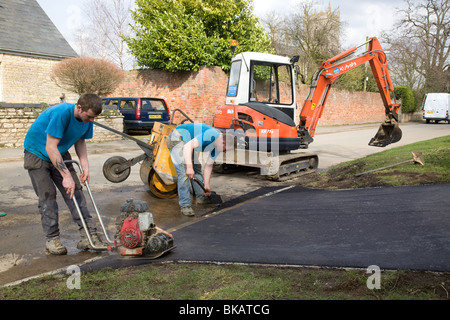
139, 113
436, 107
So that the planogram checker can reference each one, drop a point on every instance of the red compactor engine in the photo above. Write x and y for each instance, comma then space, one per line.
138, 235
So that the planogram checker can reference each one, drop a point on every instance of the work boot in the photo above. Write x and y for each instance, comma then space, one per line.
187, 211
84, 243
55, 247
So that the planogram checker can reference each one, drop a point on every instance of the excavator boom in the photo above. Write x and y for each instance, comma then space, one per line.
389, 131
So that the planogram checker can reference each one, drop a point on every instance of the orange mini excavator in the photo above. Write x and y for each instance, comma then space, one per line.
261, 109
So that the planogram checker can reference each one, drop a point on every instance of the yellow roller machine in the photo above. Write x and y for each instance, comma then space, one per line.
157, 170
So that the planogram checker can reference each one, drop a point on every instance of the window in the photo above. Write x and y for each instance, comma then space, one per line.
270, 83
233, 82
153, 105
110, 103
127, 104
146, 105
285, 84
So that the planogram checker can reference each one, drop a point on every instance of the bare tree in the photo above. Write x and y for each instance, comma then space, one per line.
107, 23
117, 18
275, 27
423, 43
312, 35
405, 62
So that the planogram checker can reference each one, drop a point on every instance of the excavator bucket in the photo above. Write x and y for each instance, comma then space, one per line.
389, 132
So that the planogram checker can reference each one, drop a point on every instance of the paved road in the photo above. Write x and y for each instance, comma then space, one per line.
22, 246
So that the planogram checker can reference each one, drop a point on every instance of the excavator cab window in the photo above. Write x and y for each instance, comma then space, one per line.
270, 83
233, 81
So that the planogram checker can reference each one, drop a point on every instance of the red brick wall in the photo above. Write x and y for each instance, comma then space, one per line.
196, 93
199, 93
345, 107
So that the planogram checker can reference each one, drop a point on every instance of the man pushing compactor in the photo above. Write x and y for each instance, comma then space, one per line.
46, 144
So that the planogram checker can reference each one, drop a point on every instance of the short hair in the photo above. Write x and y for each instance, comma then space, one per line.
91, 101
230, 140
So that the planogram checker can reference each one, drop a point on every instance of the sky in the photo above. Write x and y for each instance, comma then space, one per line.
361, 18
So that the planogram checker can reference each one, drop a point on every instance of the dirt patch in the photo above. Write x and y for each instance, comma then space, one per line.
340, 178
344, 177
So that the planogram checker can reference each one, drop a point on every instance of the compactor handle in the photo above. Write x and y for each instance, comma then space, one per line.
96, 210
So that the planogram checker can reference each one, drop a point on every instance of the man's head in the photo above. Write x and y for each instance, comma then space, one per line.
88, 107
225, 142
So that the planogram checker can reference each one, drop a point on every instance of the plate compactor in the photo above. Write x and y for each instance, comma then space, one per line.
136, 233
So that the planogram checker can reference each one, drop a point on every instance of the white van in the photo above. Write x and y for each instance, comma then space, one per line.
436, 107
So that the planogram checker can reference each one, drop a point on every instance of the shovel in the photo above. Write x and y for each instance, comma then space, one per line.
417, 158
214, 197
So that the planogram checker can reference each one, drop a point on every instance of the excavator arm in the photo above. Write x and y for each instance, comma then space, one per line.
330, 70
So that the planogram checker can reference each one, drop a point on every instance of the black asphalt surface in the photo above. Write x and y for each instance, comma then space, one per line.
390, 227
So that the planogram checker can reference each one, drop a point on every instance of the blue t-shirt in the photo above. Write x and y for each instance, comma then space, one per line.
58, 121
205, 134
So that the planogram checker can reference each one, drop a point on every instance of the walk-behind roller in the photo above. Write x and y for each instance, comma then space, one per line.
157, 170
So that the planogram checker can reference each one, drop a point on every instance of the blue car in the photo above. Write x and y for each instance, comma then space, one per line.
139, 113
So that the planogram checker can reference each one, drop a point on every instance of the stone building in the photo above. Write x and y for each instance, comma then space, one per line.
30, 45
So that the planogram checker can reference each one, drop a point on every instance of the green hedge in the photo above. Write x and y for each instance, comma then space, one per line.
406, 94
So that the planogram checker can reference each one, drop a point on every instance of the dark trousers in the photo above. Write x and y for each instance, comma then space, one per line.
45, 179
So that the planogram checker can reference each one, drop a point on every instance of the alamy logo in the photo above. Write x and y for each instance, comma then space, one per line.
374, 281
74, 280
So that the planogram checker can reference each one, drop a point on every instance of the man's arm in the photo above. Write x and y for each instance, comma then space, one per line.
207, 171
188, 149
81, 150
57, 160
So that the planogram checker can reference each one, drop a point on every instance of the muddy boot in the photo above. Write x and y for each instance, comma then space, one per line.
84, 243
55, 247
187, 211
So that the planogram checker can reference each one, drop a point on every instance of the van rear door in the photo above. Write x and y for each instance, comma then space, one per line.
154, 110
436, 106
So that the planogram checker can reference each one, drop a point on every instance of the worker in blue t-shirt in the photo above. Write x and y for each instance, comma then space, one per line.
47, 145
184, 142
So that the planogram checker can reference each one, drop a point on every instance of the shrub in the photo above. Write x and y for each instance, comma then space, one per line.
182, 35
87, 75
406, 94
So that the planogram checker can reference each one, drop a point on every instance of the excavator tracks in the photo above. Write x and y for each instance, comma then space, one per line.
294, 165
273, 167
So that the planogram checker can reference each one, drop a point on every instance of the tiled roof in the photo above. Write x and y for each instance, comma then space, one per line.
25, 29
